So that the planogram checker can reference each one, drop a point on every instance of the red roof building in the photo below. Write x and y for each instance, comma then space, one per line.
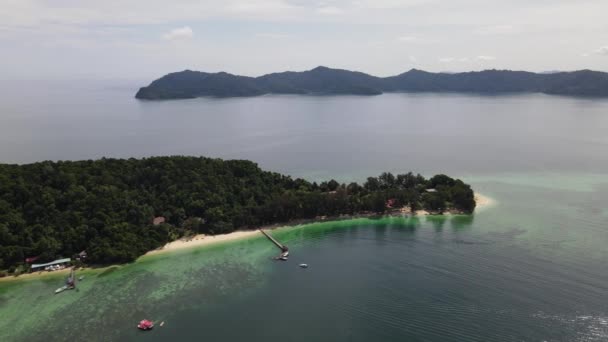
31, 259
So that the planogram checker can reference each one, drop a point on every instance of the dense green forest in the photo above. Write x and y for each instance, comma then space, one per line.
106, 207
322, 80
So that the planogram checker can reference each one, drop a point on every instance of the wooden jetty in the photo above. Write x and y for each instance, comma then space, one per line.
281, 246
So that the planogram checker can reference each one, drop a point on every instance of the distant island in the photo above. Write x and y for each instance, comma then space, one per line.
325, 81
115, 210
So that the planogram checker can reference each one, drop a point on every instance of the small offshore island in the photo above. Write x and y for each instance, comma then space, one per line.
326, 81
118, 209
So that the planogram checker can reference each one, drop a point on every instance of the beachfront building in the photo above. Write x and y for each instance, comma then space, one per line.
390, 203
52, 266
82, 256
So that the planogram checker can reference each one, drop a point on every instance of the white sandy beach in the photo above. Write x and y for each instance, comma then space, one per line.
202, 239
36, 275
483, 201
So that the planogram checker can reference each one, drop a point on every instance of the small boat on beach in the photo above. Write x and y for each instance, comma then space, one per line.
61, 289
70, 283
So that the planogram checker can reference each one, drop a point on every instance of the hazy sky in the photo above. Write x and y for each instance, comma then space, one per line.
144, 39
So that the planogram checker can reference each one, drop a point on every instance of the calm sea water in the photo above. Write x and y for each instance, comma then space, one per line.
334, 136
530, 268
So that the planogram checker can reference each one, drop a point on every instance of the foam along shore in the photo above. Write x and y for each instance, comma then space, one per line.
204, 240
483, 202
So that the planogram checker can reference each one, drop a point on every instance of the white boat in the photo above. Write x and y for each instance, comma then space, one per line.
61, 289
303, 265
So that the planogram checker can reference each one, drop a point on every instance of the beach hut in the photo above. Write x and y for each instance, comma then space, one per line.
82, 255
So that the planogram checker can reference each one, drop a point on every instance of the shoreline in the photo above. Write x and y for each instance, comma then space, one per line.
200, 240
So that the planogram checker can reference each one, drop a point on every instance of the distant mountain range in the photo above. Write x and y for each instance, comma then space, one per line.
325, 81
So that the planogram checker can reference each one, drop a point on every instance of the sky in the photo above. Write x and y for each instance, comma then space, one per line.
145, 39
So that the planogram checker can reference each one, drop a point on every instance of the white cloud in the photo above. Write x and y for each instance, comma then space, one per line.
466, 59
329, 10
496, 30
272, 35
454, 59
407, 39
375, 36
389, 4
42, 13
602, 51
261, 6
413, 59
179, 34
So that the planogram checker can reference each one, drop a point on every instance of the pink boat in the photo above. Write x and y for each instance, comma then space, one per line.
145, 325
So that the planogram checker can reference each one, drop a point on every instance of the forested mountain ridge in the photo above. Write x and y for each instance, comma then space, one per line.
323, 80
106, 206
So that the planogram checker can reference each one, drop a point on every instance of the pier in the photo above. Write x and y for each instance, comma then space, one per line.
284, 250
281, 246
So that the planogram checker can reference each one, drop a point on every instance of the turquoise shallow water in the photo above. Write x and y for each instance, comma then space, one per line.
529, 268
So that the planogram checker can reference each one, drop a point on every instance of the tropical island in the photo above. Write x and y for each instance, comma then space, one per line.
118, 209
326, 81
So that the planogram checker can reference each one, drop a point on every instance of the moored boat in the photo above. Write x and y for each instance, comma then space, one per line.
145, 324
61, 289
